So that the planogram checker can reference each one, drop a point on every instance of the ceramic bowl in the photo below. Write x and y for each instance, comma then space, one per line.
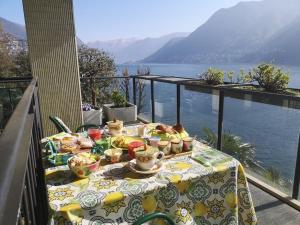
84, 170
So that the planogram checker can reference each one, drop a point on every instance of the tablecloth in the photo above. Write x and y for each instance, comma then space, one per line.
189, 191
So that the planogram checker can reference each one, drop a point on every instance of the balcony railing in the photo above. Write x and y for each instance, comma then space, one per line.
23, 196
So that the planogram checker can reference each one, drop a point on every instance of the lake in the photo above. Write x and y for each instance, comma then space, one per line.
273, 130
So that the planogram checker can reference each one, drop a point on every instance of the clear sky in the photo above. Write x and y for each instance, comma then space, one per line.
112, 19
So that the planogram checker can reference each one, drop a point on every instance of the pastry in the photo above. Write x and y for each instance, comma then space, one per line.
69, 147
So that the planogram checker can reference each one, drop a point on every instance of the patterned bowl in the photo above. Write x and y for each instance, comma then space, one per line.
84, 171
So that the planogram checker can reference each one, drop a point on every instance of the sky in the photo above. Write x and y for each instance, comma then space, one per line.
114, 19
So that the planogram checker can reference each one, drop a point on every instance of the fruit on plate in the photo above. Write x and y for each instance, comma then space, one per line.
123, 141
167, 133
120, 142
83, 164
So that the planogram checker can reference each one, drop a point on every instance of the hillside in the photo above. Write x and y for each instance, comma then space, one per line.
234, 34
18, 30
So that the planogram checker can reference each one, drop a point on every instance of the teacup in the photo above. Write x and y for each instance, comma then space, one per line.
176, 146
187, 144
165, 147
147, 159
113, 155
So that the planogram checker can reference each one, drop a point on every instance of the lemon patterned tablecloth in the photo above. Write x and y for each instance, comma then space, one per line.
190, 192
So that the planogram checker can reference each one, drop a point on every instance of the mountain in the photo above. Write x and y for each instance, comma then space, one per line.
282, 48
19, 32
234, 34
112, 46
131, 50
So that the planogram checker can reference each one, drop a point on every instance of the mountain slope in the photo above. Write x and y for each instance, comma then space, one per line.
129, 50
15, 29
231, 33
19, 32
281, 48
112, 46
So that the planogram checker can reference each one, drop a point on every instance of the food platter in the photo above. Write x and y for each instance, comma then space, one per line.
123, 141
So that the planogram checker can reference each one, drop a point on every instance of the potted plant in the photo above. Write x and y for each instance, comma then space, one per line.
91, 114
120, 109
270, 79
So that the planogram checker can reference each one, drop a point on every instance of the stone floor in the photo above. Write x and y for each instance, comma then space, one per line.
271, 211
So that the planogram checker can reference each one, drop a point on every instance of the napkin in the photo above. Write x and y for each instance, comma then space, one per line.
210, 158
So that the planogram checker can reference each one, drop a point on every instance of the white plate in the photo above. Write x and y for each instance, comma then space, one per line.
134, 168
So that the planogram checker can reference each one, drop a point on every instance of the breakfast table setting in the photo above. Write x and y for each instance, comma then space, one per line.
118, 174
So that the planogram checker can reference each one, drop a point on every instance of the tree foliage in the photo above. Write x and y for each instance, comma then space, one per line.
21, 64
12, 63
270, 77
6, 63
213, 76
93, 64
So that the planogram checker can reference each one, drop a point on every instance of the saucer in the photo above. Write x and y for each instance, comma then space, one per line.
132, 165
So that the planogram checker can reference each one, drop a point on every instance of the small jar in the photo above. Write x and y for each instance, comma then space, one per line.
176, 146
165, 147
187, 144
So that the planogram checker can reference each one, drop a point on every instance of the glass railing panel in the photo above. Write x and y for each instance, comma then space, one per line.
165, 103
199, 110
263, 134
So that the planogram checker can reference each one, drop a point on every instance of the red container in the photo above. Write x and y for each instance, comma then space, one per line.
132, 147
94, 133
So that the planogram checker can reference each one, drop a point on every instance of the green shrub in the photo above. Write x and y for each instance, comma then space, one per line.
213, 76
118, 99
270, 77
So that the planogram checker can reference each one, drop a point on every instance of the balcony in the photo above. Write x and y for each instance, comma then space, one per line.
23, 188
219, 116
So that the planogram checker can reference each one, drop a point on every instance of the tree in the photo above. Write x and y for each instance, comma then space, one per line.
125, 83
140, 87
94, 63
21, 64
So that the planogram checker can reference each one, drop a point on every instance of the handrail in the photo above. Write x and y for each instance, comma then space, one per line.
15, 79
20, 163
10, 149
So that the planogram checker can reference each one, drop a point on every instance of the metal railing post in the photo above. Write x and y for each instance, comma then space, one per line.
220, 119
178, 102
152, 102
296, 182
134, 90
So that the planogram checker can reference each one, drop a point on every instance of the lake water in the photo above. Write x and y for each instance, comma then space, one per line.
273, 130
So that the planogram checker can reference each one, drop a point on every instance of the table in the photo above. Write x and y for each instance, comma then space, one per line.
188, 191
